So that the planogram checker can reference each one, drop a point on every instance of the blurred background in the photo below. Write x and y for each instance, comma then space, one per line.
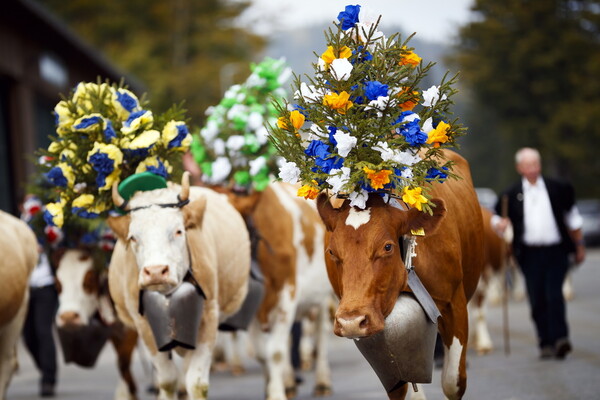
529, 69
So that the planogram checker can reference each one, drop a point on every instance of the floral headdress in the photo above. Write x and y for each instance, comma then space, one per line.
233, 148
370, 127
105, 134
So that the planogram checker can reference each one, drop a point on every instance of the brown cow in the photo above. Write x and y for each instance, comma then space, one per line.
368, 273
86, 311
290, 255
18, 247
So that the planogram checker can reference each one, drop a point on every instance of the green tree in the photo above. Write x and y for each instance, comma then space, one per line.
532, 67
177, 48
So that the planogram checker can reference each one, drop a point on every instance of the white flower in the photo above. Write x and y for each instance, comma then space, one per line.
407, 173
210, 131
255, 121
219, 146
289, 172
256, 165
237, 110
359, 199
367, 15
262, 135
428, 125
406, 157
308, 93
316, 133
380, 104
221, 168
254, 80
345, 143
338, 178
341, 69
235, 142
232, 91
322, 64
431, 96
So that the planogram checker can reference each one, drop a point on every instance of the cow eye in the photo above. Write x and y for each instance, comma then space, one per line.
388, 247
178, 232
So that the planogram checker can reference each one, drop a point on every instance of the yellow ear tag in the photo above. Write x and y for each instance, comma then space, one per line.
418, 232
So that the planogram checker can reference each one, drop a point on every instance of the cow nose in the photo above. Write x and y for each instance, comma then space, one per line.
70, 318
156, 273
352, 327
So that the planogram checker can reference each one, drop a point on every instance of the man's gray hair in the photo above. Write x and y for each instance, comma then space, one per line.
521, 153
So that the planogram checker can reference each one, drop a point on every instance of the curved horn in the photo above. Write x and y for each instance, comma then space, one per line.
185, 186
117, 199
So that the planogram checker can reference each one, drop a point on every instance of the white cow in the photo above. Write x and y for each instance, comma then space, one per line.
19, 254
157, 246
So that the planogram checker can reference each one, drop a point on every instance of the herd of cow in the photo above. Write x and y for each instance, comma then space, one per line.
309, 253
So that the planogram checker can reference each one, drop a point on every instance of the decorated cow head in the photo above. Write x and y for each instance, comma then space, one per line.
155, 230
364, 262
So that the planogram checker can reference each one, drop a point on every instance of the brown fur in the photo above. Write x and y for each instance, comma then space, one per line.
368, 278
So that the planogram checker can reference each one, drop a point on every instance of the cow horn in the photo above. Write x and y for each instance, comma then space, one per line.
185, 186
117, 198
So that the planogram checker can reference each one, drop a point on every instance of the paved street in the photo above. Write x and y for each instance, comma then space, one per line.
518, 376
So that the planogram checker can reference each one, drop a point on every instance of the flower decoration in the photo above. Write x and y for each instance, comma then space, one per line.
105, 133
368, 127
232, 148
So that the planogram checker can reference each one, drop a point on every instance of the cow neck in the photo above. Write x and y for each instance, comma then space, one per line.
255, 237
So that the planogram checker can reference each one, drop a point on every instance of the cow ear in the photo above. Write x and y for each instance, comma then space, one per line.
194, 212
120, 226
429, 223
245, 204
328, 214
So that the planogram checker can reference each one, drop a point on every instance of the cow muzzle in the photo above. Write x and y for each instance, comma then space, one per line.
69, 319
156, 277
354, 325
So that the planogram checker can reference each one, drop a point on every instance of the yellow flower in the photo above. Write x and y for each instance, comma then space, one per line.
410, 58
145, 140
378, 178
142, 118
340, 102
83, 201
328, 55
414, 198
282, 123
308, 191
56, 211
409, 104
297, 119
64, 119
438, 135
67, 172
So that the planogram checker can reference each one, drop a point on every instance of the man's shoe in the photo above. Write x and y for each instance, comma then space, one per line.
563, 347
547, 352
47, 390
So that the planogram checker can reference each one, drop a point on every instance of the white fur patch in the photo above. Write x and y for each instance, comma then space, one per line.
357, 218
451, 365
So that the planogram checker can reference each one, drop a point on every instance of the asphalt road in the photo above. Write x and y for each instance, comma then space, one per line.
496, 376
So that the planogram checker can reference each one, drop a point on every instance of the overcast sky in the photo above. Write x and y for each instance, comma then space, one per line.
434, 20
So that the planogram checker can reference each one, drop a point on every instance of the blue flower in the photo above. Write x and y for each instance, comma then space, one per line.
435, 174
375, 89
332, 131
349, 17
88, 123
356, 99
323, 158
160, 170
56, 177
410, 130
109, 131
126, 100
104, 165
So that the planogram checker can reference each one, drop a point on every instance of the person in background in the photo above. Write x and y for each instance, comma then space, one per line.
547, 229
43, 304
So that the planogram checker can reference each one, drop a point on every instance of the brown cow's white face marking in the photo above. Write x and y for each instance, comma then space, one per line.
158, 240
356, 217
78, 298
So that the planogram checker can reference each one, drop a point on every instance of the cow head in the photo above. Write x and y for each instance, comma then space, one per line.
79, 285
363, 259
157, 233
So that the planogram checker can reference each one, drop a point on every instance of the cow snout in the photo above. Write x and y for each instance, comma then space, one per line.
356, 325
69, 318
155, 275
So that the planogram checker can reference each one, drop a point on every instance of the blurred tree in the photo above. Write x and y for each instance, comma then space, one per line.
533, 69
178, 48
